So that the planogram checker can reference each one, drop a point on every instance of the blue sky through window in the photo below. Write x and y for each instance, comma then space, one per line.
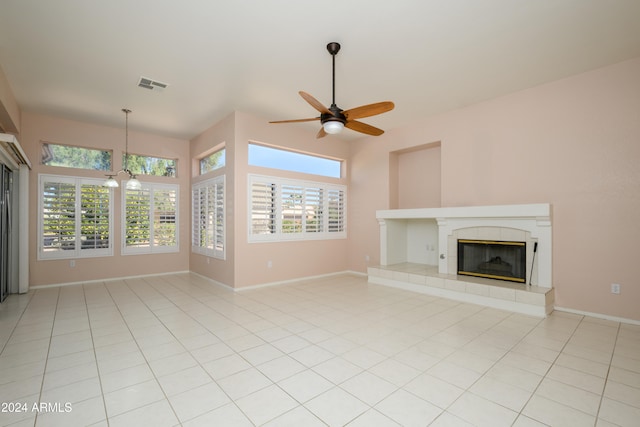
260, 155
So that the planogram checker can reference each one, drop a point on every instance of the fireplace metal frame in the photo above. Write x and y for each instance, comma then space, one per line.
522, 254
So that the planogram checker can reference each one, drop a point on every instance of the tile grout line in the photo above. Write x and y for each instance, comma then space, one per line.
606, 379
15, 326
44, 373
95, 356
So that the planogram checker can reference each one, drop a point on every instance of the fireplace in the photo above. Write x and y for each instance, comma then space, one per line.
493, 259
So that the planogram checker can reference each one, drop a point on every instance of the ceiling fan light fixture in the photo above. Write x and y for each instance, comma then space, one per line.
333, 127
334, 118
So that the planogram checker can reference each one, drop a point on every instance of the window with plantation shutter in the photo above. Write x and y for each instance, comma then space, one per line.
208, 222
150, 219
75, 218
286, 209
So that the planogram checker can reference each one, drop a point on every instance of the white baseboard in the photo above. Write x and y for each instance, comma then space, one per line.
289, 281
598, 315
214, 282
82, 282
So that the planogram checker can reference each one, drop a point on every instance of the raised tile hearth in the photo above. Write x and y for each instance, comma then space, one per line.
516, 297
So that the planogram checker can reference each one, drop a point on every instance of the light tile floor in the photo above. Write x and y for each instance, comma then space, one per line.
177, 350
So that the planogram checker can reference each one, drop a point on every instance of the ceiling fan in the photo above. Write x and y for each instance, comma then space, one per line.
334, 119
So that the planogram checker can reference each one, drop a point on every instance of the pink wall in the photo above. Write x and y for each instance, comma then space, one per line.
289, 260
9, 110
37, 128
218, 135
572, 143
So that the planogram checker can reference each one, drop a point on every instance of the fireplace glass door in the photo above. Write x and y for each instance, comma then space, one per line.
493, 259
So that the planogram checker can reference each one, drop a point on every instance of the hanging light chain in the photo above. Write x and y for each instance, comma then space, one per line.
126, 112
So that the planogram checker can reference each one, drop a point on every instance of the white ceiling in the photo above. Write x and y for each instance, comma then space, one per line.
82, 59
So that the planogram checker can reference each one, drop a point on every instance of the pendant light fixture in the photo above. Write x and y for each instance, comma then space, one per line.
132, 183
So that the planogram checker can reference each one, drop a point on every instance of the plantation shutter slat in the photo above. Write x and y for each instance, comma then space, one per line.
211, 217
292, 208
59, 213
313, 210
137, 227
219, 217
263, 214
336, 211
197, 221
164, 217
94, 227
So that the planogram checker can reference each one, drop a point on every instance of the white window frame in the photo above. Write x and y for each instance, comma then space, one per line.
291, 160
152, 248
78, 251
296, 190
208, 222
200, 160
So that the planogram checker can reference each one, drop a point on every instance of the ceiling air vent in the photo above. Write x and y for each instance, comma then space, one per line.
151, 84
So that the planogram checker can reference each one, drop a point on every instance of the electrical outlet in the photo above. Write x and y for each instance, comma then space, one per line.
72, 263
615, 288
366, 258
269, 264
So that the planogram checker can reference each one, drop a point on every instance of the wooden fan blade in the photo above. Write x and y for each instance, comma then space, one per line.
364, 128
296, 120
369, 110
321, 133
315, 103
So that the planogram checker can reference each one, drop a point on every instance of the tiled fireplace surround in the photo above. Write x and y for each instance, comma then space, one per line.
418, 252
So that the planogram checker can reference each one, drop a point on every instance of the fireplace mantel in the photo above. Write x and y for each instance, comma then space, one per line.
539, 210
425, 236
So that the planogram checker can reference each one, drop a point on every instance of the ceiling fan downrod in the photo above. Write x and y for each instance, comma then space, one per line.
333, 48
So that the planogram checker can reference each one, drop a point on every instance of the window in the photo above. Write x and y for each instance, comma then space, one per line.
284, 209
147, 165
212, 162
150, 219
75, 218
208, 222
75, 157
269, 157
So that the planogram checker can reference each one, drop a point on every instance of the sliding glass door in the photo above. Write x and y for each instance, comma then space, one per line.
5, 230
